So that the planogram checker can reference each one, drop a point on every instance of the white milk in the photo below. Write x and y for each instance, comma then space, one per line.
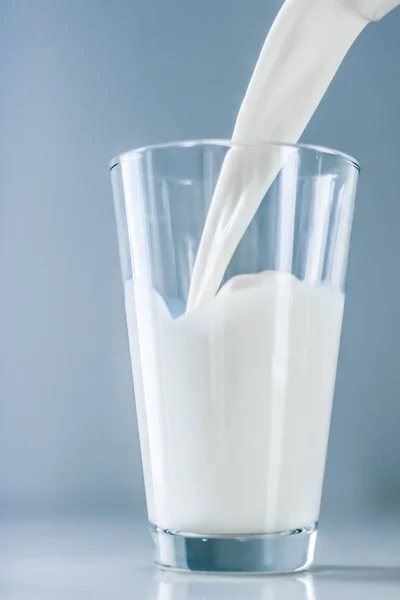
234, 397
302, 52
234, 402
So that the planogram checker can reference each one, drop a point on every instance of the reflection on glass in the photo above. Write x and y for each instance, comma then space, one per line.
172, 586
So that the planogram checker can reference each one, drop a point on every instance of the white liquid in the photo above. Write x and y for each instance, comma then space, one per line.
299, 59
234, 403
234, 398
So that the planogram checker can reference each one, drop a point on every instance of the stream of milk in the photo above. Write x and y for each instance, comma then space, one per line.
301, 54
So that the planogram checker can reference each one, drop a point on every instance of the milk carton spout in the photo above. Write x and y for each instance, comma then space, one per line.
373, 10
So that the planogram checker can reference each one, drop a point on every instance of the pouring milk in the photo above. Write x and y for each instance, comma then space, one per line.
301, 54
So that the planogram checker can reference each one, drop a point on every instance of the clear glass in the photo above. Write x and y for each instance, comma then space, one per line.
234, 397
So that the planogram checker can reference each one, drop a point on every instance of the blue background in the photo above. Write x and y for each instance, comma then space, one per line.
83, 80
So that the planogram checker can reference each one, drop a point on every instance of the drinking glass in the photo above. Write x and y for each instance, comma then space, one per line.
234, 394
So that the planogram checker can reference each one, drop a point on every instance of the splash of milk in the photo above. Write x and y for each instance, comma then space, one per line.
302, 52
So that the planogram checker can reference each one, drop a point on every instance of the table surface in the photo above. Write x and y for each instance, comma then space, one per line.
111, 558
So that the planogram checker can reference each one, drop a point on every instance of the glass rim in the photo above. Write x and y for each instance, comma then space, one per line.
322, 150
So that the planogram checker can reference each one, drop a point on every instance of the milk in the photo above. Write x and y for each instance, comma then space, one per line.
234, 396
301, 54
234, 402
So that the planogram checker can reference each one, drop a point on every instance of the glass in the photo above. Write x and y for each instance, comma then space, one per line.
234, 397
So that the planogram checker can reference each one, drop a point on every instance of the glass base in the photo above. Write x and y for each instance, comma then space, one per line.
285, 552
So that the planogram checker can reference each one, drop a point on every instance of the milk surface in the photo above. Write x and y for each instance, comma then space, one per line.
234, 402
